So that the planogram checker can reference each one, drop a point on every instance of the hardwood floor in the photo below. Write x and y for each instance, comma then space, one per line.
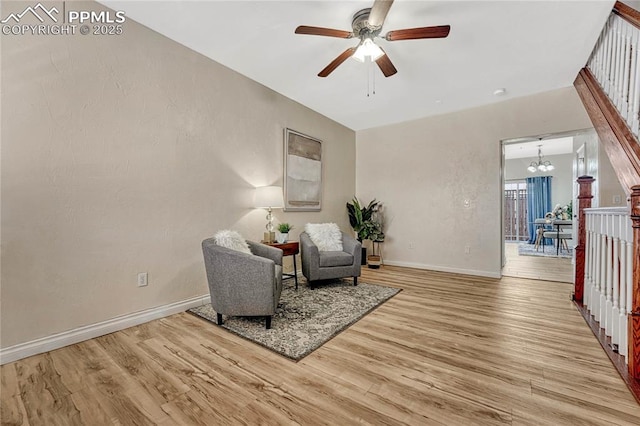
447, 350
536, 267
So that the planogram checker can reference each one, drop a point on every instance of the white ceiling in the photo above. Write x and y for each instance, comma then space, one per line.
525, 47
557, 146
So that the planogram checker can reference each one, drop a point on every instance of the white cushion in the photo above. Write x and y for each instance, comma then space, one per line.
326, 236
231, 240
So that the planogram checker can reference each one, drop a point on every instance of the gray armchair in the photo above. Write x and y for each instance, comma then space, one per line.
323, 265
243, 284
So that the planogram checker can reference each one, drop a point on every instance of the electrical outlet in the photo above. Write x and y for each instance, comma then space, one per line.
467, 249
411, 246
142, 279
616, 199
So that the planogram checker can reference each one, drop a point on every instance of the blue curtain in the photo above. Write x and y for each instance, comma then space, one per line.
538, 203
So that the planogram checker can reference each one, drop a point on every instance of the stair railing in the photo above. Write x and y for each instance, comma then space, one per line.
609, 87
615, 64
608, 280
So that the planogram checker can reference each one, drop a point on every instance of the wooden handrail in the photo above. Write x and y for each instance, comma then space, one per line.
628, 13
619, 143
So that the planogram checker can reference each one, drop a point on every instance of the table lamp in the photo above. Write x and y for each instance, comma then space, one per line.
269, 197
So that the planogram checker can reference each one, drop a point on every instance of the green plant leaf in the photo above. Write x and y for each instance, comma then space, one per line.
360, 219
285, 228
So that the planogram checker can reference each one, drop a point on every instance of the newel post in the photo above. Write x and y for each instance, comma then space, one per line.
584, 202
634, 315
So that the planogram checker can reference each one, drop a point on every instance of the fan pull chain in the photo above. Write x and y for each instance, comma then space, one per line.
367, 68
371, 76
373, 73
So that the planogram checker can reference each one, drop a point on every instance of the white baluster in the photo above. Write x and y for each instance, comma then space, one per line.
594, 266
604, 51
629, 268
622, 91
615, 311
608, 315
616, 92
597, 54
606, 77
587, 263
616, 64
603, 274
592, 63
595, 294
599, 257
635, 95
624, 106
633, 61
601, 270
622, 318
607, 49
592, 254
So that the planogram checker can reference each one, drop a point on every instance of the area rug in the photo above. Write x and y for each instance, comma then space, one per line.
306, 319
526, 249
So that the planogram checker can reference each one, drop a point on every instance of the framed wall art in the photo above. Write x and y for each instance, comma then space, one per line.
302, 172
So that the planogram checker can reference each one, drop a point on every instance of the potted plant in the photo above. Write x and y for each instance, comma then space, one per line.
375, 234
364, 222
283, 230
358, 215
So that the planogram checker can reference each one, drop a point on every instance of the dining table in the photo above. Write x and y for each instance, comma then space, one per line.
557, 233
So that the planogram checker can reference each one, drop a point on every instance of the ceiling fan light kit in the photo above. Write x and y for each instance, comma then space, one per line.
367, 48
367, 25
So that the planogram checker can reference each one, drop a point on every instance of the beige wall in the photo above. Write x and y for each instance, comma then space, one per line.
606, 187
119, 155
611, 193
423, 170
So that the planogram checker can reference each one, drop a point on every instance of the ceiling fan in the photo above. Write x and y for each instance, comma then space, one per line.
367, 25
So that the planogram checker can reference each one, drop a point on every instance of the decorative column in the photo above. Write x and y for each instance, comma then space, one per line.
634, 315
584, 202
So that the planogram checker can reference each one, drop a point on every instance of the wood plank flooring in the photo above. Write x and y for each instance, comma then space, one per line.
536, 267
447, 350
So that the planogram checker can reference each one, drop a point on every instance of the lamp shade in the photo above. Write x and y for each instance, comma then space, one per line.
367, 48
268, 196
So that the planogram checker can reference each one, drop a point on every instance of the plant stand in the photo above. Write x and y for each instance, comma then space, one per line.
374, 261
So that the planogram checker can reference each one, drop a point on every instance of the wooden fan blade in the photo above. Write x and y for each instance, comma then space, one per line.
379, 12
328, 32
337, 61
386, 66
415, 33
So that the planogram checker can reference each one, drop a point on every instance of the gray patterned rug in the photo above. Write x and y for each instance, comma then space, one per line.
305, 319
526, 249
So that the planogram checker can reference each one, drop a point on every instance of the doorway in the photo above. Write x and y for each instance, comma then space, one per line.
521, 160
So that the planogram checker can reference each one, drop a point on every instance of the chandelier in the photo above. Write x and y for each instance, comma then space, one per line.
543, 166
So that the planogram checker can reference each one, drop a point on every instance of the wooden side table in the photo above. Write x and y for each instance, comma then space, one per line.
290, 248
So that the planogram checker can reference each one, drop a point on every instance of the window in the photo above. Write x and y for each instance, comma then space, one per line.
515, 211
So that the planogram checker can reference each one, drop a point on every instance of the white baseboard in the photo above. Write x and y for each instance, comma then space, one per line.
80, 334
475, 272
